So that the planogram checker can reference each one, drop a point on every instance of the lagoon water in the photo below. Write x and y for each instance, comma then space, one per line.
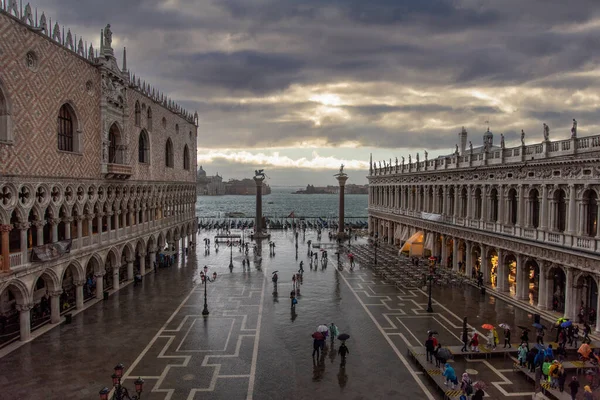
281, 202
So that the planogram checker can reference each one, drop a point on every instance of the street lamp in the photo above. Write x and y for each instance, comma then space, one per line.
375, 250
431, 272
121, 392
205, 278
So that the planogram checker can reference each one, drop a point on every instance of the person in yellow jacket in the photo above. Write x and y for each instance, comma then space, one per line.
553, 372
496, 340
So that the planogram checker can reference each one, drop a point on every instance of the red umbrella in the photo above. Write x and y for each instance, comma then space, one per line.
318, 336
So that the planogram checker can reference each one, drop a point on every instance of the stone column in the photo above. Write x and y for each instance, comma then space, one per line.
142, 264
501, 201
99, 223
456, 201
117, 222
68, 221
521, 206
39, 225
454, 254
469, 213
54, 224
435, 200
258, 228
341, 178
55, 306
520, 278
99, 284
543, 286
89, 218
79, 220
109, 225
485, 264
444, 251
4, 231
152, 258
25, 321
79, 293
569, 296
502, 283
115, 277
544, 209
583, 216
23, 227
469, 259
572, 218
484, 203
130, 274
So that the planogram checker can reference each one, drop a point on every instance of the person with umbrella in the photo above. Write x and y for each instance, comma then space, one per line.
343, 351
442, 355
479, 388
318, 338
539, 333
506, 335
525, 336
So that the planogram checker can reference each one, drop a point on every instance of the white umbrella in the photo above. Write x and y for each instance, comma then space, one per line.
322, 328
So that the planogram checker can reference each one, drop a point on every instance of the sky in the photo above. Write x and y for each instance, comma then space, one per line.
298, 87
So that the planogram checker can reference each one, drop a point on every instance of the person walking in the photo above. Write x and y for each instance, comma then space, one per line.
465, 338
574, 387
466, 385
496, 339
587, 393
525, 337
522, 355
316, 348
429, 348
333, 331
450, 376
475, 343
507, 338
562, 377
439, 360
576, 337
343, 351
549, 353
540, 336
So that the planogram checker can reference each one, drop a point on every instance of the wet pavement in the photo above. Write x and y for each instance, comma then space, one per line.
252, 345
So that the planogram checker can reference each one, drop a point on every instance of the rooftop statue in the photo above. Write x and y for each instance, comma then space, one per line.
396, 162
502, 140
471, 147
546, 132
402, 161
456, 149
522, 137
425, 154
342, 170
107, 36
574, 129
259, 174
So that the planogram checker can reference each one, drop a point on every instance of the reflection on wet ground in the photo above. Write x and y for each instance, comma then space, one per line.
253, 341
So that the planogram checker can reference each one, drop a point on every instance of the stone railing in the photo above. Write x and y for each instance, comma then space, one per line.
539, 151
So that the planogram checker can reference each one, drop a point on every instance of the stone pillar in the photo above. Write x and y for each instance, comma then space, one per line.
569, 296
130, 274
116, 277
143, 264
469, 259
99, 223
55, 306
484, 203
54, 224
485, 264
89, 219
39, 225
99, 285
79, 293
454, 254
572, 218
341, 178
109, 225
152, 258
25, 321
258, 228
521, 206
469, 213
502, 282
543, 286
444, 251
521, 278
68, 221
23, 227
4, 231
117, 223
501, 202
79, 220
456, 201
544, 209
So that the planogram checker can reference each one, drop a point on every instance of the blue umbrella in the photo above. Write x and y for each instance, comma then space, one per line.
566, 324
538, 326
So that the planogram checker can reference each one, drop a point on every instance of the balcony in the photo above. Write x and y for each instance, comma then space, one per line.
117, 171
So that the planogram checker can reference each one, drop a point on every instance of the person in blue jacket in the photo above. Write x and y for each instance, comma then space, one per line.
549, 352
450, 376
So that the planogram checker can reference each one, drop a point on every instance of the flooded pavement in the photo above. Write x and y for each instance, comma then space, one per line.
252, 345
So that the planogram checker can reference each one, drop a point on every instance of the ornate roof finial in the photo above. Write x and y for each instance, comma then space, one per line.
56, 32
69, 42
124, 59
91, 53
43, 25
27, 17
80, 50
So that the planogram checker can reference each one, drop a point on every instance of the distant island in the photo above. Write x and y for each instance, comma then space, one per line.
350, 189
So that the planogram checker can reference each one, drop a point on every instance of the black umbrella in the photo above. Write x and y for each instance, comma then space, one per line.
432, 332
523, 327
274, 272
343, 336
444, 353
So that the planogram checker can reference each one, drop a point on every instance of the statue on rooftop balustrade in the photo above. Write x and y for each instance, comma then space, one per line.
456, 150
546, 132
470, 147
396, 162
402, 161
502, 140
522, 137
409, 159
574, 129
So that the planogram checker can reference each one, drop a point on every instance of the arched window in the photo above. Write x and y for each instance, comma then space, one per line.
5, 118
186, 158
66, 129
513, 207
149, 116
534, 197
590, 205
478, 203
138, 114
494, 206
143, 148
115, 149
463, 202
169, 160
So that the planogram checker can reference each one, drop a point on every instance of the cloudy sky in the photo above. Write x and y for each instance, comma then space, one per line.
300, 86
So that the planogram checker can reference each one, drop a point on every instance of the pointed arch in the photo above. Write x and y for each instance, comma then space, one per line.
169, 159
143, 148
186, 158
138, 113
68, 130
115, 146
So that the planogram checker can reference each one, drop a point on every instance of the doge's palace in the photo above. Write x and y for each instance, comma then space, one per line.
524, 218
97, 171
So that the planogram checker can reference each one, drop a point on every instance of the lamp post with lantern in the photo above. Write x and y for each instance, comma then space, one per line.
121, 392
205, 278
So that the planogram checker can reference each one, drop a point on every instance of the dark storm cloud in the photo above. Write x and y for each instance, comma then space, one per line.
408, 73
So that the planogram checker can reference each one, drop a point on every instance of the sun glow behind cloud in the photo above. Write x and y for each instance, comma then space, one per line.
275, 159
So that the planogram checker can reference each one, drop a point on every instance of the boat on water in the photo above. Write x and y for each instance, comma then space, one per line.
270, 202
